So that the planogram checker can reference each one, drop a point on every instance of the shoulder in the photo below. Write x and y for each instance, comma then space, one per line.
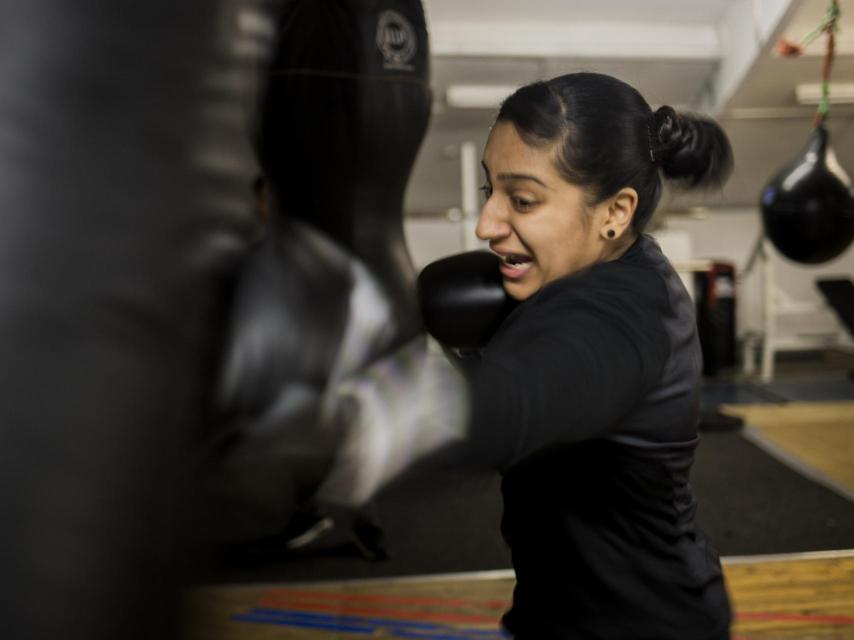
624, 306
631, 290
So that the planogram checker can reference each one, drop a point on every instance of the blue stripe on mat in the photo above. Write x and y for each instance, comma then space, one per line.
356, 620
305, 624
364, 625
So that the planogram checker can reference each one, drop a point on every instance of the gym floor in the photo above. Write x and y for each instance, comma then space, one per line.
776, 498
774, 598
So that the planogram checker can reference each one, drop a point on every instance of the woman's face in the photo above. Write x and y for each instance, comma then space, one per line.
533, 219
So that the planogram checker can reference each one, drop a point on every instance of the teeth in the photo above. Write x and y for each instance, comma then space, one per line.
514, 261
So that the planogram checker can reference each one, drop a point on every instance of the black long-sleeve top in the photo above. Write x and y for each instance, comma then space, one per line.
587, 400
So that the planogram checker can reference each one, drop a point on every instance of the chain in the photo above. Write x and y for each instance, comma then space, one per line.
830, 25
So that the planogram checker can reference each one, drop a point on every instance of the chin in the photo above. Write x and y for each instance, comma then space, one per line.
519, 291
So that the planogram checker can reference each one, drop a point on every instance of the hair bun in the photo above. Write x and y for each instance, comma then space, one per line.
690, 147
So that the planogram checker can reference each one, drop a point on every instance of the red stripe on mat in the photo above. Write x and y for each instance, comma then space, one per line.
286, 594
794, 617
307, 601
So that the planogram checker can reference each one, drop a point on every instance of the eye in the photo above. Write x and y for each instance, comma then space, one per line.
486, 190
522, 204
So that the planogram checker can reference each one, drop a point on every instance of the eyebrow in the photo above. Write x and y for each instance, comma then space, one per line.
515, 176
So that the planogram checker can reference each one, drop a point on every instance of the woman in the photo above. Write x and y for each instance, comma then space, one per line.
587, 396
591, 386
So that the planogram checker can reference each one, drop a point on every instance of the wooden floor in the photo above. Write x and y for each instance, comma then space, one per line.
806, 598
819, 435
801, 597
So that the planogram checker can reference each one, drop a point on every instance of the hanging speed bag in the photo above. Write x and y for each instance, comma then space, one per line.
808, 206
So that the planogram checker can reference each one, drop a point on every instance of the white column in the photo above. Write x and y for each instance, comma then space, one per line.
768, 311
469, 166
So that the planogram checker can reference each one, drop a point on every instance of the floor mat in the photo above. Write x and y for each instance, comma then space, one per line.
817, 439
751, 503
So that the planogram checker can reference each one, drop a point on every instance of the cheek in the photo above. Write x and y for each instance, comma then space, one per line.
566, 239
567, 249
557, 239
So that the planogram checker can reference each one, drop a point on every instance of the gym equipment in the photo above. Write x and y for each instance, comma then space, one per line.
808, 206
839, 293
124, 193
715, 302
340, 124
331, 288
463, 300
807, 215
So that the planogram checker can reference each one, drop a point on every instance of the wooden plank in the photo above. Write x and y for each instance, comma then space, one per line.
794, 599
773, 599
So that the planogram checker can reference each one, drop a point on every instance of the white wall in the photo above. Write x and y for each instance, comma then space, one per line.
432, 238
731, 236
722, 235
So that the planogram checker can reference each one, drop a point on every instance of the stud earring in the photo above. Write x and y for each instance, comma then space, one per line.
611, 233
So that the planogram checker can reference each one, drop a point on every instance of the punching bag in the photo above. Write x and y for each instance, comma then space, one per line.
330, 289
808, 206
345, 112
118, 184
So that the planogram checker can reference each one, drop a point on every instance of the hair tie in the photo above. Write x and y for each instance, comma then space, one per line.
651, 138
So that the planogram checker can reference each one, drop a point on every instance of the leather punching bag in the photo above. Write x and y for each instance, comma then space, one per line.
344, 115
808, 206
331, 288
117, 182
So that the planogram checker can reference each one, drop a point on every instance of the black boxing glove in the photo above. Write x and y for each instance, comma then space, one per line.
463, 299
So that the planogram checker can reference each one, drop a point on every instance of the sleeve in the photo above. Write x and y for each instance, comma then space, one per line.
565, 372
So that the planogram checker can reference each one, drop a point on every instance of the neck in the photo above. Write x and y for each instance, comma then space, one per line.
614, 249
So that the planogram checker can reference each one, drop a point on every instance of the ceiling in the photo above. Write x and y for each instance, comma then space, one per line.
710, 56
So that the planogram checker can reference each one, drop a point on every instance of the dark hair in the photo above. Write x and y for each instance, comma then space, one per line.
609, 138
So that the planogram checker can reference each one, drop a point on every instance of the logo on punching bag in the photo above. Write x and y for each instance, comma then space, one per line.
396, 40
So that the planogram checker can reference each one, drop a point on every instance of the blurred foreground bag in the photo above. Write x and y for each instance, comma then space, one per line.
123, 191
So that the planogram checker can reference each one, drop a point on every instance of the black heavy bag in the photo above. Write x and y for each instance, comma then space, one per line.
116, 174
345, 112
331, 287
808, 206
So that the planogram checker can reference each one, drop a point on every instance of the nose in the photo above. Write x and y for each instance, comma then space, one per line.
492, 223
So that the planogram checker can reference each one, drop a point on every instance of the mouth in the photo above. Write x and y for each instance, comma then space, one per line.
514, 265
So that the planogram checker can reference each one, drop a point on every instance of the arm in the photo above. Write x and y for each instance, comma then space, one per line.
561, 372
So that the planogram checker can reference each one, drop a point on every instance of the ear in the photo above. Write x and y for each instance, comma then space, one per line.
620, 212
